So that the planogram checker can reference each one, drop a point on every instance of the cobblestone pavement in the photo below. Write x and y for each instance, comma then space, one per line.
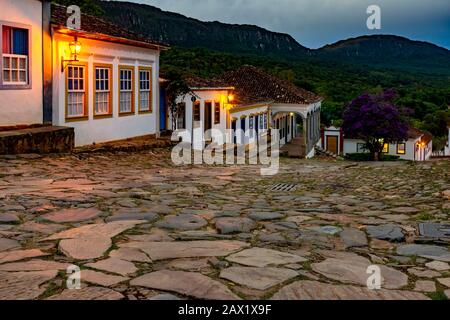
140, 228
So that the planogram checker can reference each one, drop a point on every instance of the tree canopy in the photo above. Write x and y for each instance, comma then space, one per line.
375, 119
86, 6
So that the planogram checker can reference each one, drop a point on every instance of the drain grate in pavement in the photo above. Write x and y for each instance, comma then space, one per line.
434, 230
283, 187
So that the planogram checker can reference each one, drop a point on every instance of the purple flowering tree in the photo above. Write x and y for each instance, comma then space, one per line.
376, 120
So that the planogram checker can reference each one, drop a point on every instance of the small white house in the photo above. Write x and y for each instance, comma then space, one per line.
333, 140
99, 79
419, 146
243, 105
111, 90
21, 62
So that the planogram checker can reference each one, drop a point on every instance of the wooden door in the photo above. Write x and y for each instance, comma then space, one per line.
332, 144
233, 128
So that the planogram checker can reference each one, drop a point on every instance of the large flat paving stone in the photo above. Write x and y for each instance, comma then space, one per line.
109, 230
7, 217
235, 225
11, 256
354, 238
390, 232
100, 278
88, 293
182, 222
187, 249
133, 216
6, 244
34, 265
313, 290
24, 285
130, 254
44, 228
353, 270
431, 252
72, 215
261, 257
189, 284
258, 278
85, 248
114, 265
265, 216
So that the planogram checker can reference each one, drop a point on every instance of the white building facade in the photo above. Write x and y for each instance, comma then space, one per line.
111, 92
419, 146
21, 59
239, 113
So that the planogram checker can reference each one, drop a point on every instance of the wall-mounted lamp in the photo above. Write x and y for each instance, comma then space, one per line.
75, 49
230, 98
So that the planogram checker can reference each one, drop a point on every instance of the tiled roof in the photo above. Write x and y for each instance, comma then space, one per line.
96, 28
198, 82
414, 133
424, 136
253, 85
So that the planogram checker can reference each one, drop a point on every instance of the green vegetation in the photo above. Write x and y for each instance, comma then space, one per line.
439, 296
368, 157
428, 95
424, 216
87, 6
419, 72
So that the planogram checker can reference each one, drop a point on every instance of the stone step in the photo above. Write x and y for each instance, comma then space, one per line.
45, 139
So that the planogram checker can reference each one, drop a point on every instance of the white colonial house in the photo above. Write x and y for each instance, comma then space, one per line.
419, 146
112, 91
242, 106
21, 62
98, 78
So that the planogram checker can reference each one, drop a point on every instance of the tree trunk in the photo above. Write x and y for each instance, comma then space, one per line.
376, 156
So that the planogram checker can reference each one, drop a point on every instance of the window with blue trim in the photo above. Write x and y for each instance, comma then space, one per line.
15, 56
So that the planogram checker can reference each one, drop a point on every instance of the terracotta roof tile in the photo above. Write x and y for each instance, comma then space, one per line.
414, 133
253, 85
97, 26
198, 82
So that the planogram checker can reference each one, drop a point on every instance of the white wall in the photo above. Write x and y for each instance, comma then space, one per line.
350, 146
24, 106
288, 136
107, 129
239, 114
196, 130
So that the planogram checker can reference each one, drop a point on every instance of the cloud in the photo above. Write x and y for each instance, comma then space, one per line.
317, 22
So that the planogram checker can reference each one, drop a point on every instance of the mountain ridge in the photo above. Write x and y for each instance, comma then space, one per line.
177, 29
380, 50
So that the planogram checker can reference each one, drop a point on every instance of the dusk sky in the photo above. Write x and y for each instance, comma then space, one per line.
315, 23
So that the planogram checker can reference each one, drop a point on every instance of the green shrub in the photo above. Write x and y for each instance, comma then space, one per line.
368, 157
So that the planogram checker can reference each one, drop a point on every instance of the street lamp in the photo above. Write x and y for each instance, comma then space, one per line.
75, 50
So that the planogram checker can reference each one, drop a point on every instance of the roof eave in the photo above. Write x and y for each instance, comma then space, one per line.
103, 37
211, 88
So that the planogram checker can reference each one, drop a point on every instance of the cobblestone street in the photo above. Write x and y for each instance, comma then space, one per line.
140, 228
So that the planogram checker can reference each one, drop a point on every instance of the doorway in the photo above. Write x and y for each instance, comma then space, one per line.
233, 129
162, 110
243, 130
332, 144
208, 120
